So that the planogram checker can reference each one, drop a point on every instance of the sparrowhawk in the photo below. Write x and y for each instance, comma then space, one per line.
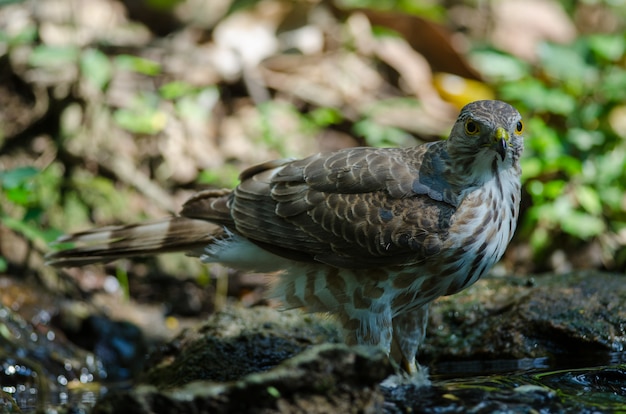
370, 235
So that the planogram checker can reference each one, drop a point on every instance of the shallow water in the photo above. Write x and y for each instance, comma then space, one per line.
594, 383
509, 386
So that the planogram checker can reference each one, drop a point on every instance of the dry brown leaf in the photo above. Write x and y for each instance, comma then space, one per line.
519, 26
434, 115
430, 39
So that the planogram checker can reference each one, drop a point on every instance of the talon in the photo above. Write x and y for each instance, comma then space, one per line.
409, 367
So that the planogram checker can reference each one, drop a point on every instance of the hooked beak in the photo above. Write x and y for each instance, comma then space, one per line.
500, 142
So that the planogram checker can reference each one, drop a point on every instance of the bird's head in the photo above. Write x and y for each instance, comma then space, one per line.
486, 135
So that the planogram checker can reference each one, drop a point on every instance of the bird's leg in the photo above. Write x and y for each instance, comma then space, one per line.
368, 327
409, 330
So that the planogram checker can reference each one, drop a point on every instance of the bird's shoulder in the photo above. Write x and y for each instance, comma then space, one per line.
399, 172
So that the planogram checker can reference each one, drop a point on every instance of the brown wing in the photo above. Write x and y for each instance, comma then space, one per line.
354, 208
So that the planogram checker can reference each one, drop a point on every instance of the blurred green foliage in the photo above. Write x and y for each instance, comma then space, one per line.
574, 167
429, 9
23, 193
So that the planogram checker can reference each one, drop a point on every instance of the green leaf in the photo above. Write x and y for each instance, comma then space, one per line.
273, 391
497, 65
323, 117
17, 176
176, 89
589, 199
613, 85
53, 56
141, 121
138, 64
569, 165
198, 104
29, 230
18, 195
534, 94
553, 189
96, 67
531, 168
122, 278
609, 47
27, 34
566, 63
543, 141
583, 139
227, 176
379, 135
582, 225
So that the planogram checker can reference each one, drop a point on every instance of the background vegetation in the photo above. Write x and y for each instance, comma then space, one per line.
115, 111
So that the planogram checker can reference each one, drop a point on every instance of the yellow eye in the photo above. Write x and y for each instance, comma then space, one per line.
471, 127
519, 128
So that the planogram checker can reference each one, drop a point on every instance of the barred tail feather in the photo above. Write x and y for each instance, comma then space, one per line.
173, 234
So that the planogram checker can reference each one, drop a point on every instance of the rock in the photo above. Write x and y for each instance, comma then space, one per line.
329, 378
235, 342
513, 318
262, 360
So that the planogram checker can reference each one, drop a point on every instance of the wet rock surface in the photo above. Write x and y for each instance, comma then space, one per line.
557, 316
504, 345
237, 341
330, 378
232, 362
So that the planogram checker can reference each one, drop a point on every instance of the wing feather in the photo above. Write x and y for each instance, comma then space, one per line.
353, 208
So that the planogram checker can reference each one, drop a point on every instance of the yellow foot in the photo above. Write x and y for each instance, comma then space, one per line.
411, 373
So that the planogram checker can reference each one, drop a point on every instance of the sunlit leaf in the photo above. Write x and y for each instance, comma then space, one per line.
533, 94
122, 278
27, 34
588, 199
614, 84
539, 239
28, 229
553, 189
148, 122
176, 89
583, 139
582, 225
460, 91
96, 67
379, 135
199, 104
53, 56
609, 47
323, 117
569, 165
542, 140
138, 64
227, 176
499, 66
607, 168
613, 198
18, 195
565, 63
531, 167
143, 116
